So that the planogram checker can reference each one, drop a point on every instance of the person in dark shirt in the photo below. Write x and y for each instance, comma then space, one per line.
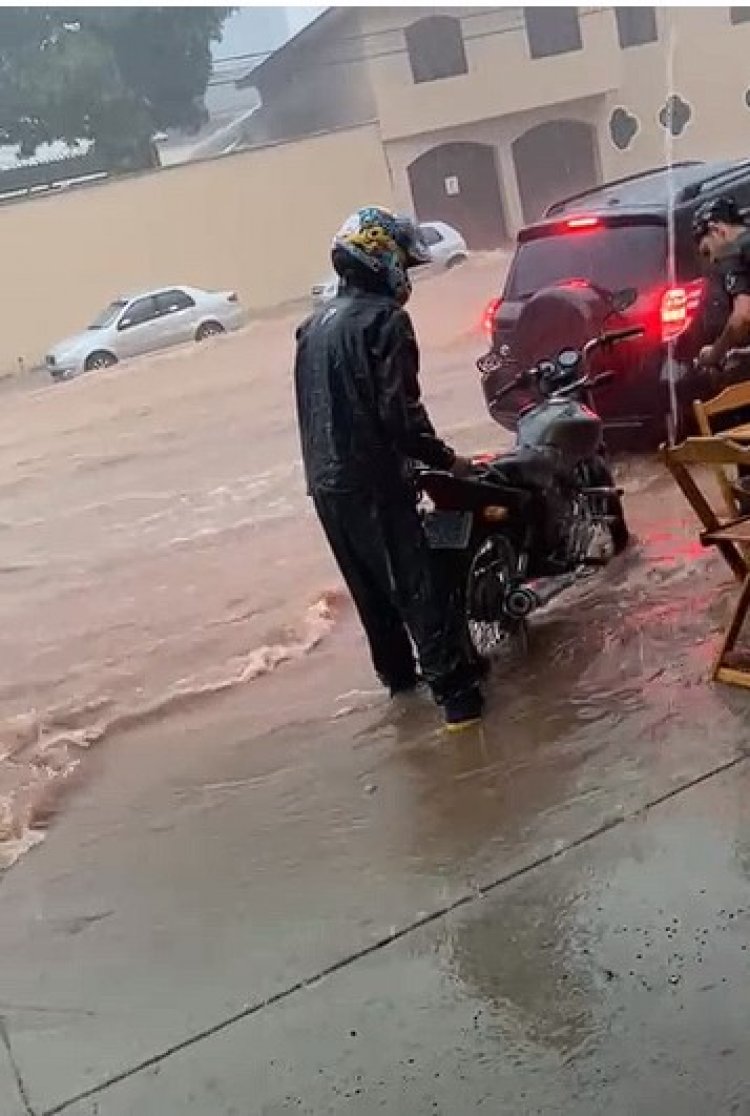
362, 423
723, 241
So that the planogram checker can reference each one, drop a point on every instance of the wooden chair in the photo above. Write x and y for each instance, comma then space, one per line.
706, 412
731, 538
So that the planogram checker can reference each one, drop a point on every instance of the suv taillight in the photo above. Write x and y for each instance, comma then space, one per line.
488, 318
679, 306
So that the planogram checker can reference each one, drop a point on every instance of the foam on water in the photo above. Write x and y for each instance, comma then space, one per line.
39, 755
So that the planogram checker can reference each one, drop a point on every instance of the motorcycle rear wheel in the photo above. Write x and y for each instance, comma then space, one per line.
491, 571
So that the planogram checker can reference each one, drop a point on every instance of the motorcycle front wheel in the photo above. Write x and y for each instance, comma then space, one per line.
600, 476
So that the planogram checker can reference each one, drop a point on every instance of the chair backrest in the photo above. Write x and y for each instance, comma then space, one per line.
730, 399
713, 450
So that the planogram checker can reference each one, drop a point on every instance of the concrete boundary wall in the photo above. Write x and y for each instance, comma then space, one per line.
259, 222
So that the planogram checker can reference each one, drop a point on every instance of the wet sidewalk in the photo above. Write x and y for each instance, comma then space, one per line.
613, 979
310, 901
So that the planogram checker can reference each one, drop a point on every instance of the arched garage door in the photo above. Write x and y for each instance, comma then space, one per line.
458, 183
553, 161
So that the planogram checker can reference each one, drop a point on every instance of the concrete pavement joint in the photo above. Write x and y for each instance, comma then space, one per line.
382, 943
5, 1040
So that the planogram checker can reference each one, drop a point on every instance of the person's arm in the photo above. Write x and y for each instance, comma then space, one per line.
402, 413
735, 334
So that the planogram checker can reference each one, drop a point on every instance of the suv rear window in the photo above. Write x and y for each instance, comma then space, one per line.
610, 257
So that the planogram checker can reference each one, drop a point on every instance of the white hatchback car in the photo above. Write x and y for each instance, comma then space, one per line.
447, 249
144, 323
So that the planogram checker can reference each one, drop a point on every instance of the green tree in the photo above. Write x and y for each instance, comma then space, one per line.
111, 75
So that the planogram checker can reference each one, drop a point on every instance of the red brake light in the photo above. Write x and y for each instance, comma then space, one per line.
679, 305
577, 223
574, 284
488, 318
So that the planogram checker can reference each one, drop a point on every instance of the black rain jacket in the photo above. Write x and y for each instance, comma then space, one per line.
359, 409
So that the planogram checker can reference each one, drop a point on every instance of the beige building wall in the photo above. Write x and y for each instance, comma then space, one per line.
502, 79
498, 133
259, 222
709, 71
700, 55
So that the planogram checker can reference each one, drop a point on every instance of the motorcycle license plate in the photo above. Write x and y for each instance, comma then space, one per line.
448, 530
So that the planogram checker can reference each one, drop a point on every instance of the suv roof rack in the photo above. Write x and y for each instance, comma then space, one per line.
605, 187
724, 176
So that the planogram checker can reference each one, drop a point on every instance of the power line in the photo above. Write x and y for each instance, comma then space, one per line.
331, 43
359, 37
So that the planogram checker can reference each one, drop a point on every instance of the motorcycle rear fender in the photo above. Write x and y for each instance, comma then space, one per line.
455, 494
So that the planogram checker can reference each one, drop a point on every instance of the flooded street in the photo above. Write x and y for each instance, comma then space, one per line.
158, 545
271, 882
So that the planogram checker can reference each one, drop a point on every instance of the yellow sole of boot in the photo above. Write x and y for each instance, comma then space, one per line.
463, 726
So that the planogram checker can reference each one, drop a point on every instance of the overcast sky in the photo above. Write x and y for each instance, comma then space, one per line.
254, 30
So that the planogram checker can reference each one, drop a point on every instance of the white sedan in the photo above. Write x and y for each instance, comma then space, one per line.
144, 323
447, 249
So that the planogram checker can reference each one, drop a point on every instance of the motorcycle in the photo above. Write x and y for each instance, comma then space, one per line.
529, 524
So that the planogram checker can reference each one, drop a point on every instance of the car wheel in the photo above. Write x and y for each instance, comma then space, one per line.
454, 261
96, 362
209, 329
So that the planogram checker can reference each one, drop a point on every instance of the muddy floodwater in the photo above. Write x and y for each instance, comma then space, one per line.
157, 549
265, 888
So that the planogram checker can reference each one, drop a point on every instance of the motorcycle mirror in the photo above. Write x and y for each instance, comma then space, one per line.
624, 299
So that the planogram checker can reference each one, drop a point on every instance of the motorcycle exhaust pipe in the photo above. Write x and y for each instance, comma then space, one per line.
525, 599
603, 491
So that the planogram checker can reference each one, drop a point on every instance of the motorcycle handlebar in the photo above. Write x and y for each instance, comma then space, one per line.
603, 341
513, 383
616, 335
613, 337
741, 354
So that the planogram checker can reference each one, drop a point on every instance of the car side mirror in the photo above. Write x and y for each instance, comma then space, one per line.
124, 323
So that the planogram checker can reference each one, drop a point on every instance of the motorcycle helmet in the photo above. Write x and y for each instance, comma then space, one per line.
374, 250
723, 210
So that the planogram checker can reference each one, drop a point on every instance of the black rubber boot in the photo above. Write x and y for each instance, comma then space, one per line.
463, 710
405, 685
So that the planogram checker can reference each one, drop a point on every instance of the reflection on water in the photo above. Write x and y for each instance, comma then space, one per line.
628, 962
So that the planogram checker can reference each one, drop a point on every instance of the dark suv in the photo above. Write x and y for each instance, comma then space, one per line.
616, 236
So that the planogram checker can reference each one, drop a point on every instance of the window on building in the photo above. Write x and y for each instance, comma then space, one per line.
739, 15
436, 48
636, 26
552, 31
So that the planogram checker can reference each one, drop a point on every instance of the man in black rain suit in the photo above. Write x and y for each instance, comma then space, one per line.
361, 422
